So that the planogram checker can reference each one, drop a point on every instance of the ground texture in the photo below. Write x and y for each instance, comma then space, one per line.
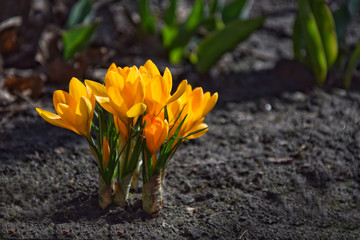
276, 168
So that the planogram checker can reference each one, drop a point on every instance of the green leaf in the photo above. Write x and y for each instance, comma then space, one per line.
187, 29
326, 26
176, 54
170, 14
354, 60
314, 47
213, 47
77, 39
233, 10
195, 17
169, 34
177, 36
215, 6
79, 12
148, 23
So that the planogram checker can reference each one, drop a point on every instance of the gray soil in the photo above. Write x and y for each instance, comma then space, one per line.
277, 168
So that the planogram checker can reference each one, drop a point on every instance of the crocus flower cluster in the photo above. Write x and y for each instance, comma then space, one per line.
132, 122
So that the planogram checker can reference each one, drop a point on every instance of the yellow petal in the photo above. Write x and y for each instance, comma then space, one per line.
91, 97
117, 102
196, 128
136, 110
66, 113
98, 89
51, 118
133, 75
196, 99
83, 116
158, 90
211, 103
55, 120
179, 92
113, 67
63, 97
114, 79
139, 91
77, 89
151, 68
168, 79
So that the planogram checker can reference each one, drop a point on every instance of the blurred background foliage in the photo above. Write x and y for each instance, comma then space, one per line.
211, 29
317, 35
52, 41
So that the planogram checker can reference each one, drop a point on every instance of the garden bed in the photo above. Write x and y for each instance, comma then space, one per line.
281, 159
280, 168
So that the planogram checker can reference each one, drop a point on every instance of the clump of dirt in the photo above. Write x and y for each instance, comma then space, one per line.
275, 168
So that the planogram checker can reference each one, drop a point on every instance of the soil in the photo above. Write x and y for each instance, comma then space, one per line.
281, 159
276, 168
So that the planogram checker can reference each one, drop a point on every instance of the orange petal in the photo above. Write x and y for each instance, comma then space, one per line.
106, 152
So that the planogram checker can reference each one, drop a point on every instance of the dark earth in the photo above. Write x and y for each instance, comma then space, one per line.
281, 159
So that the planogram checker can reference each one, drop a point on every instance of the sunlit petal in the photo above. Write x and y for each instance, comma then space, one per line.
133, 75
151, 68
179, 91
98, 89
55, 120
136, 110
77, 89
211, 103
197, 128
83, 116
63, 97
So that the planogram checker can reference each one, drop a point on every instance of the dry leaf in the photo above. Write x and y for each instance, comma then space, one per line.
33, 84
8, 34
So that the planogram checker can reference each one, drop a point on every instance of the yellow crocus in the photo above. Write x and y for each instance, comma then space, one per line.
195, 105
155, 132
158, 88
123, 94
75, 109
